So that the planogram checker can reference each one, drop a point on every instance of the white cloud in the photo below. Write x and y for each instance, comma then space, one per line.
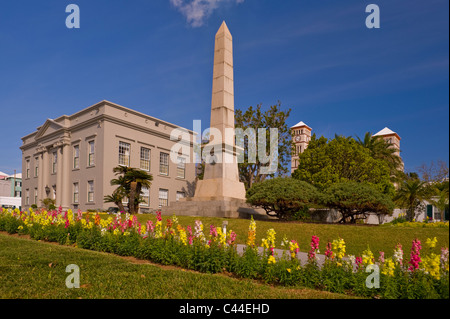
196, 11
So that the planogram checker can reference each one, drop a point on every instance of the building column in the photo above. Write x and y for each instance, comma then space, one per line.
59, 175
65, 182
41, 191
44, 171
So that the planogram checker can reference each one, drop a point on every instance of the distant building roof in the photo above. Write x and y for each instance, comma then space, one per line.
301, 123
386, 131
18, 175
3, 175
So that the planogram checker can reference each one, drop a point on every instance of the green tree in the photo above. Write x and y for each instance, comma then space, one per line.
275, 118
439, 196
411, 194
116, 198
282, 196
49, 203
129, 182
327, 162
354, 200
382, 149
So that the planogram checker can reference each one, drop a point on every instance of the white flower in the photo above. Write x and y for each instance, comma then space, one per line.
352, 258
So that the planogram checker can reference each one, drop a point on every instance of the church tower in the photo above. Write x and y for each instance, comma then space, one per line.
392, 138
301, 135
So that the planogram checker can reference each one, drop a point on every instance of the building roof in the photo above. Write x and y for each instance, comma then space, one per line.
300, 124
6, 176
386, 131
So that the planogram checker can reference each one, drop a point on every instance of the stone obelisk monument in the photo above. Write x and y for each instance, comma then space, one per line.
221, 177
220, 193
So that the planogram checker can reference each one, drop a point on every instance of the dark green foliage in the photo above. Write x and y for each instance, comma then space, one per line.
342, 159
354, 200
282, 197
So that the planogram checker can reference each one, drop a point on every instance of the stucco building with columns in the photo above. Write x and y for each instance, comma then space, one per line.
71, 158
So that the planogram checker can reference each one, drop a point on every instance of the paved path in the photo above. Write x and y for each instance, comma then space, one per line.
303, 257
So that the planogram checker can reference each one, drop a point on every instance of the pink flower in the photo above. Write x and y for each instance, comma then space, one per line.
415, 255
328, 251
213, 231
189, 232
150, 226
358, 261
232, 238
381, 259
158, 216
314, 247
79, 214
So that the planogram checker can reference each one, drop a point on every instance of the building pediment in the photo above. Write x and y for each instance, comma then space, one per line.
50, 126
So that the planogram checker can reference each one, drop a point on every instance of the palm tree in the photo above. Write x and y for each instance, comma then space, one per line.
382, 149
137, 180
411, 194
116, 198
440, 197
130, 183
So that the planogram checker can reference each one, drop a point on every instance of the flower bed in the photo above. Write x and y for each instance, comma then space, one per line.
210, 249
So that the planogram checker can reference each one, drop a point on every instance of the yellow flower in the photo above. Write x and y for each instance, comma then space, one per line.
388, 267
251, 233
431, 265
367, 257
222, 236
271, 260
288, 270
431, 242
339, 247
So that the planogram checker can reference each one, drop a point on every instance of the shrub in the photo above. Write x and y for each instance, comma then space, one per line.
282, 197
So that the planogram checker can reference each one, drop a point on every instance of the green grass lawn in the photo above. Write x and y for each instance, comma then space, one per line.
357, 237
34, 269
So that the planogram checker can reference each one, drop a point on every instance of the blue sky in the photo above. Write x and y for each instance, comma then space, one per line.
316, 57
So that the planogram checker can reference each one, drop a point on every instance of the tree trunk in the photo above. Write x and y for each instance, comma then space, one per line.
131, 201
120, 205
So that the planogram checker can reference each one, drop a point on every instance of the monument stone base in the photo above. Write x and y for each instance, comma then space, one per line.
224, 207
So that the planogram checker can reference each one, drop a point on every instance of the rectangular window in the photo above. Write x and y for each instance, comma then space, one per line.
163, 197
181, 167
27, 198
54, 161
180, 195
36, 167
145, 159
145, 197
76, 156
76, 193
36, 196
90, 191
164, 164
124, 153
27, 167
91, 150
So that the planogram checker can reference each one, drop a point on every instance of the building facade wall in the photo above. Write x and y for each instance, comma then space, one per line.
105, 125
